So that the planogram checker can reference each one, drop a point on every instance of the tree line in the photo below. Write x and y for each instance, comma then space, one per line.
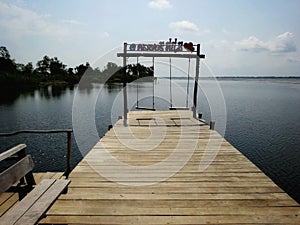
53, 71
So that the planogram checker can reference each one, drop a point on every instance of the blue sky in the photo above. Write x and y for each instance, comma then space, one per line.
239, 37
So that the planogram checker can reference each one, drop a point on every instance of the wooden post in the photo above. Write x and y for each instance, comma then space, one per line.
124, 85
200, 56
68, 168
194, 108
212, 125
153, 86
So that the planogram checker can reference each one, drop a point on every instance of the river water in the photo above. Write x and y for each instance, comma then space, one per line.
260, 117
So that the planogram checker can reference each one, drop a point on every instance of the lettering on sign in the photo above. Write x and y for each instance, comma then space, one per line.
169, 46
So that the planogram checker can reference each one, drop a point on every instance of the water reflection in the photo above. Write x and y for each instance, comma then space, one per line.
8, 95
57, 91
113, 87
85, 87
45, 92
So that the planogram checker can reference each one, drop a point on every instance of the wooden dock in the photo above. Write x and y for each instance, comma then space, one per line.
166, 167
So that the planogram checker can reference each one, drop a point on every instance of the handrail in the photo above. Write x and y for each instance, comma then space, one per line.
69, 138
35, 131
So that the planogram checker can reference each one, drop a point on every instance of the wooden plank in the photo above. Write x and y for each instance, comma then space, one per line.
129, 210
47, 175
181, 219
37, 210
4, 196
193, 203
8, 203
56, 176
175, 196
8, 199
153, 178
15, 173
246, 175
177, 184
33, 206
12, 151
174, 190
13, 215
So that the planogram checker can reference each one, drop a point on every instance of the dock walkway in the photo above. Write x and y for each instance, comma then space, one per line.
166, 167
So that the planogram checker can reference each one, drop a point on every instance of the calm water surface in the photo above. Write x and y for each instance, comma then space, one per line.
263, 120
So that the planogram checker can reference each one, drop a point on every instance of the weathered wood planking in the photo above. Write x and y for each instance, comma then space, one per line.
12, 151
36, 203
15, 172
231, 190
8, 199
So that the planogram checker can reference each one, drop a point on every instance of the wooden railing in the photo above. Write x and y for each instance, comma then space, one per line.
69, 139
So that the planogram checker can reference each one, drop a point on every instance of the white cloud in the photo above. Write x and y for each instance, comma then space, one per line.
160, 4
73, 22
183, 26
17, 22
281, 44
252, 43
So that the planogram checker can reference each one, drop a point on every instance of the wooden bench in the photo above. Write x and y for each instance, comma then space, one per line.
40, 198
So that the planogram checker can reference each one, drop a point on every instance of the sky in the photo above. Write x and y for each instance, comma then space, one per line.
238, 37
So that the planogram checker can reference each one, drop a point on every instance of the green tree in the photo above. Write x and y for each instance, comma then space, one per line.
7, 65
43, 66
4, 53
57, 69
80, 70
134, 72
28, 69
52, 69
70, 72
112, 72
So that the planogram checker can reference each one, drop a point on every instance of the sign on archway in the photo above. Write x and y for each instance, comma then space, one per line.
169, 49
